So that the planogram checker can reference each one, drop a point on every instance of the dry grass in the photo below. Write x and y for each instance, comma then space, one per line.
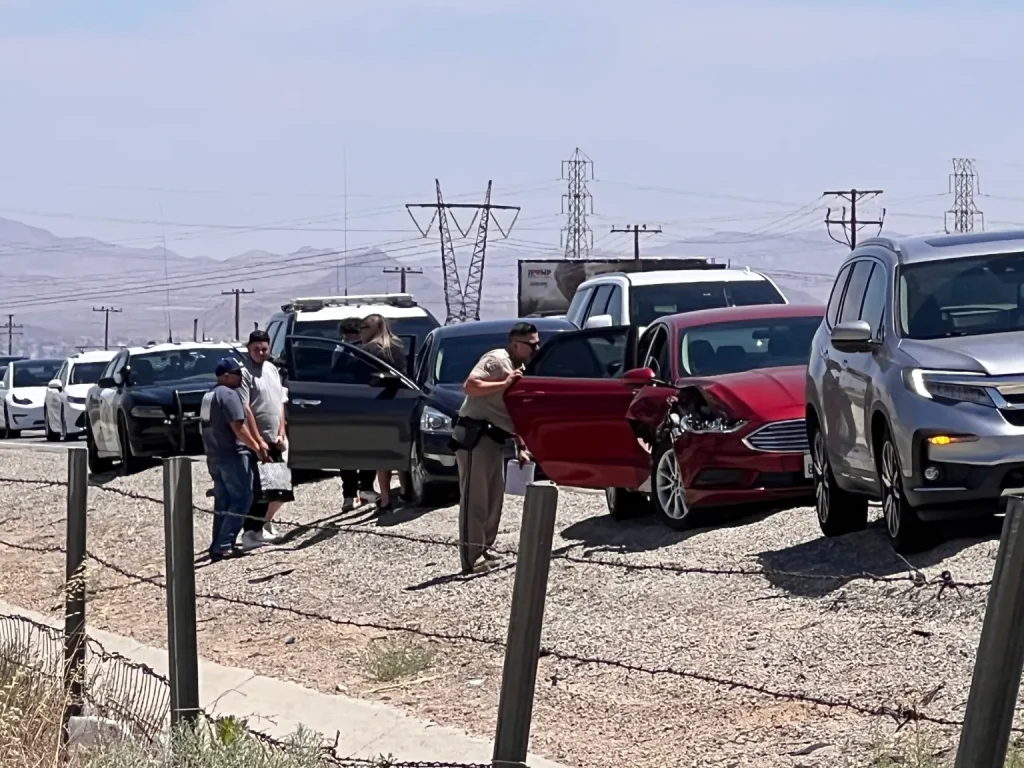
392, 662
31, 704
918, 748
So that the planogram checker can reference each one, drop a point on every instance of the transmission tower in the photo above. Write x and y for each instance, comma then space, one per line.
462, 303
577, 235
852, 225
963, 183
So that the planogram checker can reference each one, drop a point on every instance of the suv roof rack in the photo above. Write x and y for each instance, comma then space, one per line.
313, 303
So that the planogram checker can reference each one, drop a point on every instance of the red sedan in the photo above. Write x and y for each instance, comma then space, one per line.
705, 409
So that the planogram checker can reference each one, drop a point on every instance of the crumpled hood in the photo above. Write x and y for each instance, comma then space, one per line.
765, 394
997, 354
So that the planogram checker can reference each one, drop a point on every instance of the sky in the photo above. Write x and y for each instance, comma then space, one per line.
230, 125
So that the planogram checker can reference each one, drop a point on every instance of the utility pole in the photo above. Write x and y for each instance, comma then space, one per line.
403, 271
636, 230
12, 331
963, 183
462, 303
238, 293
106, 323
577, 236
852, 225
195, 329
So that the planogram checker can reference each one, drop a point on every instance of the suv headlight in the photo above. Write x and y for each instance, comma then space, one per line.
433, 421
930, 385
148, 412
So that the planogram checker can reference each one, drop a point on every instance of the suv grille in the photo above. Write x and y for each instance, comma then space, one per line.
780, 437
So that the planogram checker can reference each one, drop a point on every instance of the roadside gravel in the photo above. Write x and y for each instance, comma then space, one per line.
873, 642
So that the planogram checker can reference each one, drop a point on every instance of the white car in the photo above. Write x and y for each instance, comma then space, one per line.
24, 390
65, 396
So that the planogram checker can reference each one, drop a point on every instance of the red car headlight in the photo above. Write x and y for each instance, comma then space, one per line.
705, 415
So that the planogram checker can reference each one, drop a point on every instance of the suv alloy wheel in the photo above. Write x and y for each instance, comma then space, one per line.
907, 533
839, 512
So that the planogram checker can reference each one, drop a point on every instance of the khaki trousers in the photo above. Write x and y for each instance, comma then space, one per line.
482, 492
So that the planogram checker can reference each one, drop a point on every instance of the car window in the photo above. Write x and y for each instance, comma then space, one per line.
62, 374
649, 302
855, 291
599, 305
832, 315
191, 365
35, 373
114, 366
420, 375
745, 345
657, 357
873, 306
331, 362
277, 343
273, 330
615, 305
583, 355
578, 304
85, 373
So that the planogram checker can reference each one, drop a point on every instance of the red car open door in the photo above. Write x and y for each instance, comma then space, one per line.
570, 409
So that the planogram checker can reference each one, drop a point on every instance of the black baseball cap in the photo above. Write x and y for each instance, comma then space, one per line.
228, 365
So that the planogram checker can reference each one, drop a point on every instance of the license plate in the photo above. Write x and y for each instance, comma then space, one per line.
808, 466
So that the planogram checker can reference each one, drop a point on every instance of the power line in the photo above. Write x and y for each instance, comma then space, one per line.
12, 331
238, 293
636, 230
106, 323
403, 271
577, 235
852, 225
963, 183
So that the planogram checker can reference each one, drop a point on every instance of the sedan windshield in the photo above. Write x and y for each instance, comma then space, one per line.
35, 373
972, 296
176, 365
649, 302
86, 373
744, 345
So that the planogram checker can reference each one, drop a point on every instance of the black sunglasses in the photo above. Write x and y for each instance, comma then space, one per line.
534, 345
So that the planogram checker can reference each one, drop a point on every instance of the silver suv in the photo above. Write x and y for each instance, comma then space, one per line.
915, 387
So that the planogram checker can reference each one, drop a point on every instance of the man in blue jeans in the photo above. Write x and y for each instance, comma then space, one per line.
228, 440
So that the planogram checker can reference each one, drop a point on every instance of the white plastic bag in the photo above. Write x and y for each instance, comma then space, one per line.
517, 478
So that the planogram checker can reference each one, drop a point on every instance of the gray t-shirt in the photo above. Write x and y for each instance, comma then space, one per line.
221, 407
261, 389
495, 365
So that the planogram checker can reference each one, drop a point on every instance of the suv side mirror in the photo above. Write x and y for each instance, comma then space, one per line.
638, 377
598, 321
55, 385
106, 383
853, 336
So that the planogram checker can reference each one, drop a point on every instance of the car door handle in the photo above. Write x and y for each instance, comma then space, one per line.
306, 403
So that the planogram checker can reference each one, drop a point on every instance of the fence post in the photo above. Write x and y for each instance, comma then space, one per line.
74, 588
182, 650
985, 737
522, 652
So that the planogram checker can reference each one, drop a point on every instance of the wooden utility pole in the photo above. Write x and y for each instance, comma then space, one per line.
106, 323
852, 225
636, 230
195, 329
403, 271
238, 293
12, 331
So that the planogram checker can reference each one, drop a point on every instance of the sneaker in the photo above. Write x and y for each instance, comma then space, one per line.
348, 504
369, 497
270, 534
252, 540
482, 566
491, 556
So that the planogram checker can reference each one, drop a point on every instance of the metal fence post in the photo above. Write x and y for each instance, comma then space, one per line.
74, 588
522, 652
182, 650
985, 737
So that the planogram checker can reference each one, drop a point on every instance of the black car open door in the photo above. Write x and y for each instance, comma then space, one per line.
346, 409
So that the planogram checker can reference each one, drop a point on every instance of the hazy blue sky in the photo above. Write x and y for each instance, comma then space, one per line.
241, 112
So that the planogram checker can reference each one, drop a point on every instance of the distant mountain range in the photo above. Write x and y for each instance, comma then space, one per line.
53, 284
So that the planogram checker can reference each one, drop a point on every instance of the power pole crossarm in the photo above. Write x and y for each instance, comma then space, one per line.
12, 331
636, 230
106, 323
851, 225
238, 293
402, 272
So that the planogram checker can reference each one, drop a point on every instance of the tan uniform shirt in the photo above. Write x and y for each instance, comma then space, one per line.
495, 365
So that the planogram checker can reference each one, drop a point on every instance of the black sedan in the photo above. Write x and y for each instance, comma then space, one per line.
146, 403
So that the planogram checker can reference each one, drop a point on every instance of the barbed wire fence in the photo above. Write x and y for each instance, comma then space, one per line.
900, 714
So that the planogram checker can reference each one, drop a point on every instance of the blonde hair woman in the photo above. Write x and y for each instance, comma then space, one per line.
378, 340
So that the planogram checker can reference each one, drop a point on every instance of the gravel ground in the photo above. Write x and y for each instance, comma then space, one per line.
833, 638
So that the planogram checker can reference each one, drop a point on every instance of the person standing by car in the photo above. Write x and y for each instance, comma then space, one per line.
479, 434
355, 483
228, 441
263, 398
379, 341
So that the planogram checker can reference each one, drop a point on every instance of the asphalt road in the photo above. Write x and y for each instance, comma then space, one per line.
36, 440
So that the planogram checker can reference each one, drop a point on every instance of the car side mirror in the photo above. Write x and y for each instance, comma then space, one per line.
638, 377
106, 383
853, 336
385, 380
55, 385
598, 321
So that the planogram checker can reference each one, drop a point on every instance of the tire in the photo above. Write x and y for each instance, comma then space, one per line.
424, 493
838, 511
9, 434
51, 436
97, 464
668, 496
130, 464
624, 504
907, 532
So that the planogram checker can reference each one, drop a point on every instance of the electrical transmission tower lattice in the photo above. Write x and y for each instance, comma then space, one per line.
577, 236
462, 303
963, 183
852, 225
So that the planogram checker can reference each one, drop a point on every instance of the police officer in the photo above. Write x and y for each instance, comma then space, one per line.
481, 430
